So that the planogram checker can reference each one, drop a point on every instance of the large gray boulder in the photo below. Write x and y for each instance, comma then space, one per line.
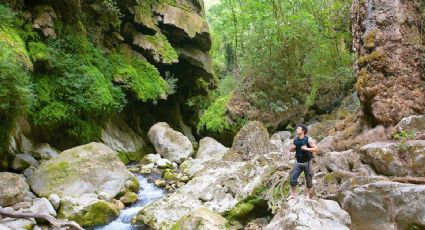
376, 203
90, 168
13, 188
169, 143
219, 186
251, 140
210, 148
317, 214
390, 159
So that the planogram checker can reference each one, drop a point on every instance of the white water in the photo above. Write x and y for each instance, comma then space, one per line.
148, 192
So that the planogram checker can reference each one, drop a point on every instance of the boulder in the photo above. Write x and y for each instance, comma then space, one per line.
170, 144
391, 159
129, 198
23, 161
317, 214
415, 123
16, 224
87, 210
219, 186
118, 136
377, 203
42, 206
201, 219
13, 188
55, 200
151, 158
210, 148
251, 140
90, 168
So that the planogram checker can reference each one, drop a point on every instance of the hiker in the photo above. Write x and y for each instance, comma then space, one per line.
304, 147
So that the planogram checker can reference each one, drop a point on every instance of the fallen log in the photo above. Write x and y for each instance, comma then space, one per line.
56, 224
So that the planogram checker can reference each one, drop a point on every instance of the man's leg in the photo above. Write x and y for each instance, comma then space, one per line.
308, 173
296, 172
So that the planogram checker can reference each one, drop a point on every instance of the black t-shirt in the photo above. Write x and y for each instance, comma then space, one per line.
302, 155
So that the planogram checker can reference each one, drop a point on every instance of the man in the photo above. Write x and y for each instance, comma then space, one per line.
304, 147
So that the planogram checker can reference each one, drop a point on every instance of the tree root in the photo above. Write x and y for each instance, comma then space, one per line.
56, 224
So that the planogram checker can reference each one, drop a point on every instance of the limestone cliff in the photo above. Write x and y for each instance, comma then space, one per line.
169, 39
388, 41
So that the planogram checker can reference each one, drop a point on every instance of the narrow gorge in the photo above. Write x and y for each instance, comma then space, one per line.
181, 114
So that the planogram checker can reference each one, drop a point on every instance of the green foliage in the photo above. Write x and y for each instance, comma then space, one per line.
139, 76
75, 89
284, 54
403, 136
15, 87
109, 15
38, 51
214, 118
166, 52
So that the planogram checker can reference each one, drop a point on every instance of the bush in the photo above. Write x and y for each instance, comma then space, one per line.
214, 118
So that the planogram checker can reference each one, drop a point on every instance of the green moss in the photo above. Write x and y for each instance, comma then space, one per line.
15, 86
138, 76
99, 213
168, 175
123, 158
369, 39
374, 56
363, 78
129, 198
162, 48
38, 51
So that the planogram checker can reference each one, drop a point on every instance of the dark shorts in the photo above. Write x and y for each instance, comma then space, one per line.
308, 173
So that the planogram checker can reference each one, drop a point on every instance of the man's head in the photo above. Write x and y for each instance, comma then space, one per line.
301, 130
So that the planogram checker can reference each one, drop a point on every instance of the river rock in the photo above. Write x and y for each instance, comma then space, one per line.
201, 219
17, 224
389, 159
151, 158
13, 188
318, 214
169, 143
23, 161
219, 186
252, 139
164, 163
42, 206
55, 200
90, 168
87, 210
210, 148
377, 203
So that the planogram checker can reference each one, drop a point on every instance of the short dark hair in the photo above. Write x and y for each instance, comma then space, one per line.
303, 127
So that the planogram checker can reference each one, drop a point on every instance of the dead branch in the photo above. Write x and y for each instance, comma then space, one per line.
52, 220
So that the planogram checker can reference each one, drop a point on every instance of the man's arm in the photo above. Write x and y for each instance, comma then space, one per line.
313, 147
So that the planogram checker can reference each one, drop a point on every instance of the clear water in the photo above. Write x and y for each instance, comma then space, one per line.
148, 192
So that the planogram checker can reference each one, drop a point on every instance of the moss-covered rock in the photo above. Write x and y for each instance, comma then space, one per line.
90, 168
87, 211
158, 47
129, 198
201, 219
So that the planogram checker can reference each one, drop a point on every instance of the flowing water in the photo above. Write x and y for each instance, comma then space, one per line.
148, 192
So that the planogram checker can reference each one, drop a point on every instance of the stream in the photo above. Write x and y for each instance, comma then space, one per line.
148, 193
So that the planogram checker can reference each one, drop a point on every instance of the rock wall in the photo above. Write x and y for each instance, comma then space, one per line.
172, 35
388, 41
